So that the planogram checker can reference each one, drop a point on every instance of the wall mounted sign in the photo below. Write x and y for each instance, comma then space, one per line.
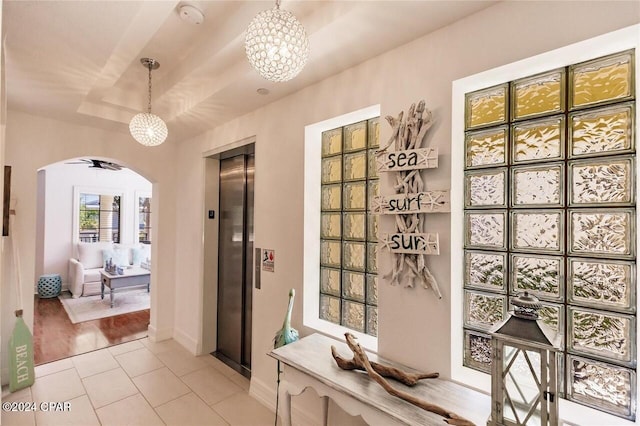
410, 159
412, 243
422, 202
268, 260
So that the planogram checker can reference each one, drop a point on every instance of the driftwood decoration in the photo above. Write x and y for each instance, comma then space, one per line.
410, 158
361, 361
409, 379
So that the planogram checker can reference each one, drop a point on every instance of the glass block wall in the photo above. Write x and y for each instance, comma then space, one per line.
550, 208
348, 230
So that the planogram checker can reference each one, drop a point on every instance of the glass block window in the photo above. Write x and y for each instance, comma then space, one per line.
550, 209
348, 229
99, 218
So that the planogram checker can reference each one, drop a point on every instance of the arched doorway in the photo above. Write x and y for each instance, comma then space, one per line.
91, 211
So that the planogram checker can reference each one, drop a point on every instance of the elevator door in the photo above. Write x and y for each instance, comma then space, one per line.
235, 261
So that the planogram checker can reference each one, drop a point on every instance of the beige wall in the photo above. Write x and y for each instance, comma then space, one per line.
6, 313
34, 142
413, 324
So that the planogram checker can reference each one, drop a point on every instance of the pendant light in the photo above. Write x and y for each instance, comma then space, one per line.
145, 127
276, 44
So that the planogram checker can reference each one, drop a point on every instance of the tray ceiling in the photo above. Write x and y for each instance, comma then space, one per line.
78, 61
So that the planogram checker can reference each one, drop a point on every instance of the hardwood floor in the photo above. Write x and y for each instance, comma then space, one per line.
56, 337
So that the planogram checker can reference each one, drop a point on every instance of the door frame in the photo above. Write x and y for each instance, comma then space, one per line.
211, 196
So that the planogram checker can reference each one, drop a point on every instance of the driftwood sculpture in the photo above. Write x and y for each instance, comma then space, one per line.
408, 379
409, 134
360, 361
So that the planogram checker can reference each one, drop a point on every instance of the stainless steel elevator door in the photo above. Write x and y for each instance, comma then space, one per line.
248, 268
235, 260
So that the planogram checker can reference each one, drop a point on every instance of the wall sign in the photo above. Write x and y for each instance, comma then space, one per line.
412, 243
410, 159
422, 202
268, 260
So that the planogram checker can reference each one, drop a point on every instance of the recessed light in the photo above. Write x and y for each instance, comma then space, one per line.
263, 91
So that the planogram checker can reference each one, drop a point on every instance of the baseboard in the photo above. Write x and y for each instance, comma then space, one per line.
267, 397
158, 335
185, 340
263, 393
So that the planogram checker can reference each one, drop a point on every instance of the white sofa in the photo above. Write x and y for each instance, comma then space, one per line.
84, 268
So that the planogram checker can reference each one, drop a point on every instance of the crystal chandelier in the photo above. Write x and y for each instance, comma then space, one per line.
276, 44
147, 128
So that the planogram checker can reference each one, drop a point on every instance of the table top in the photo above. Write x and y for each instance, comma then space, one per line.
131, 271
312, 355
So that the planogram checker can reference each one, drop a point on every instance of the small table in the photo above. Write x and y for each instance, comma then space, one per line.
132, 277
308, 363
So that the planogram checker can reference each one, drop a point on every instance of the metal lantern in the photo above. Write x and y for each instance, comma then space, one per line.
524, 385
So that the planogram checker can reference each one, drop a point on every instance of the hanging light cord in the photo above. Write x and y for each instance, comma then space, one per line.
151, 62
277, 4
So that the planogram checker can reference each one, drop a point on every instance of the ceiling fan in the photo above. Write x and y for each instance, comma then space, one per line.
98, 164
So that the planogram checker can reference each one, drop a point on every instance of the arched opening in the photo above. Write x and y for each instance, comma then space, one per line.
91, 212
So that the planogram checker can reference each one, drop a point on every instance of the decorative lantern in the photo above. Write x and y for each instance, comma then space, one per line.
524, 386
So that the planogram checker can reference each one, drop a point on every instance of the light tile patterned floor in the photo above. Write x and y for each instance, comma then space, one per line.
140, 383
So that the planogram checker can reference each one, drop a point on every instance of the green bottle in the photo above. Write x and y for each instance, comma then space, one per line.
20, 355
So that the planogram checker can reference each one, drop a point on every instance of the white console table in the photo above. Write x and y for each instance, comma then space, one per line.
308, 363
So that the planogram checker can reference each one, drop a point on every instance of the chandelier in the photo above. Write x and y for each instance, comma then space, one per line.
276, 44
145, 127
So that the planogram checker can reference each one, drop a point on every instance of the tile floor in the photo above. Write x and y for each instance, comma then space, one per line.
140, 383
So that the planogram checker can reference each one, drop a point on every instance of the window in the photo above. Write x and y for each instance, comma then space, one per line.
549, 208
348, 230
144, 220
334, 151
99, 218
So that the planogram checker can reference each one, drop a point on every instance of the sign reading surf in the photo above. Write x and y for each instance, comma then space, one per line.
421, 202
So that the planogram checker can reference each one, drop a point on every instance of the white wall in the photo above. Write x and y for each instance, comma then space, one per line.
34, 142
422, 69
413, 324
59, 181
5, 314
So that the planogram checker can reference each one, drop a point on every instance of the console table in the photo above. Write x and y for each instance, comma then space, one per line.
308, 363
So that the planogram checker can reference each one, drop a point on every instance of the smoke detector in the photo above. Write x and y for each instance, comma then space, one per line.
191, 14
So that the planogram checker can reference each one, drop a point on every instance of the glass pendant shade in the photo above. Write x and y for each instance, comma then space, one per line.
277, 45
145, 127
148, 129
